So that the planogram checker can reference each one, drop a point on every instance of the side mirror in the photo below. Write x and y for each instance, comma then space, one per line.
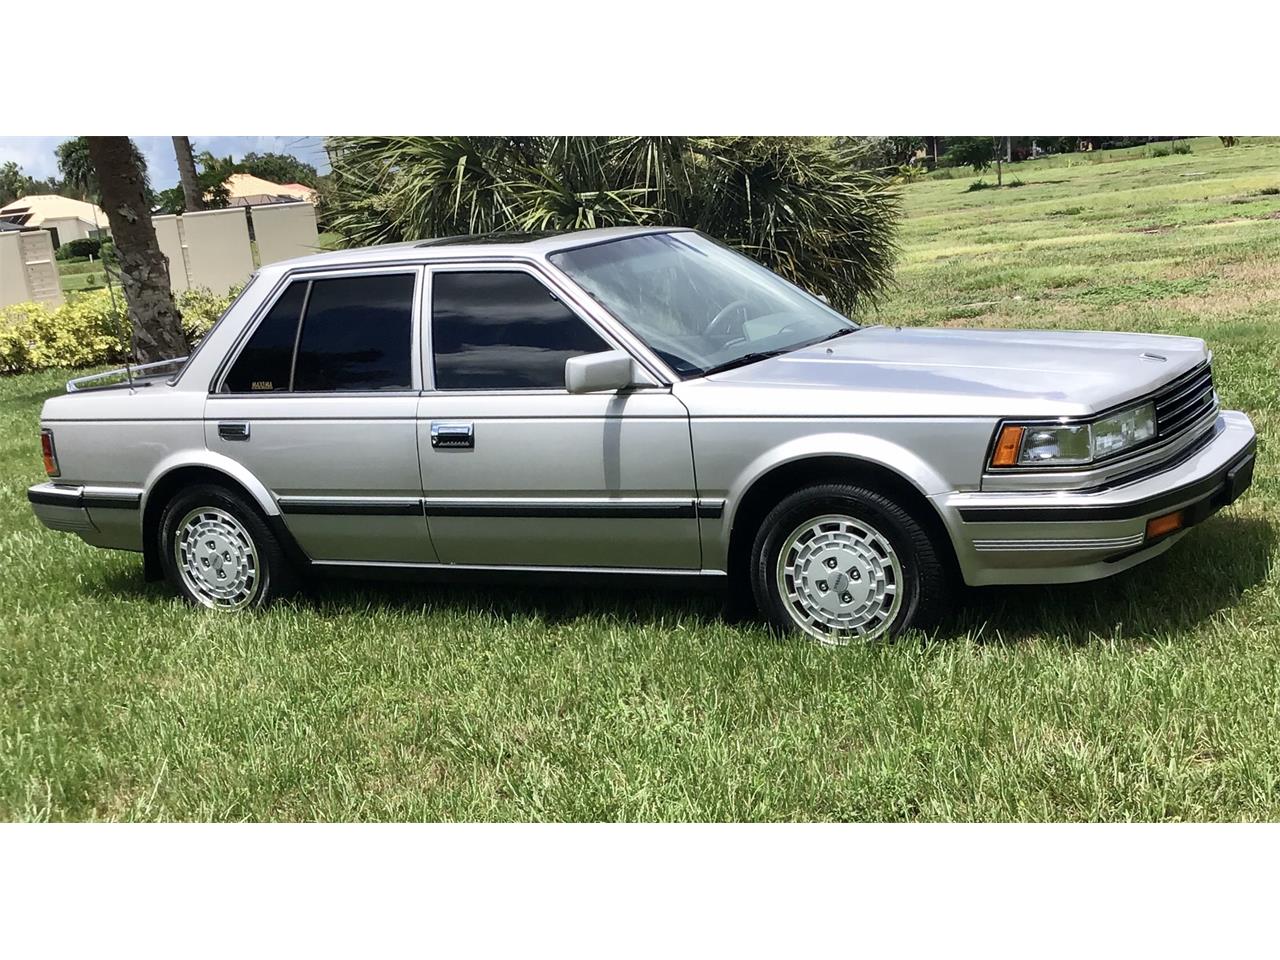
597, 372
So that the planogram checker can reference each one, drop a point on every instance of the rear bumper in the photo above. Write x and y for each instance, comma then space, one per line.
102, 516
1057, 537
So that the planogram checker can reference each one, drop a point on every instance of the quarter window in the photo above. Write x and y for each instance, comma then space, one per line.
502, 330
264, 364
356, 334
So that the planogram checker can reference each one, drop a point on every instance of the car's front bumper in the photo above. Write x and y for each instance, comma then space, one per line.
1060, 537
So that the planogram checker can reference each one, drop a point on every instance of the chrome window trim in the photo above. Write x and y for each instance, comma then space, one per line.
538, 271
309, 275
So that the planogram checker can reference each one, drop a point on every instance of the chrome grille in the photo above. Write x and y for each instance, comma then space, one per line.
1185, 401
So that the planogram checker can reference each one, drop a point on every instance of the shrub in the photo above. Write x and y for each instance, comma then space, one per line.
18, 323
1269, 191
87, 330
201, 308
976, 152
1159, 151
82, 247
979, 185
1181, 148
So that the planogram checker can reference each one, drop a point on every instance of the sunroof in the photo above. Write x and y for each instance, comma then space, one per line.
464, 239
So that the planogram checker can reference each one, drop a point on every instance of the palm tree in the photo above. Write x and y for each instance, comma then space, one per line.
802, 205
191, 192
144, 274
76, 167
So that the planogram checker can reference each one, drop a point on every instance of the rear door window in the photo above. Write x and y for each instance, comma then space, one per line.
357, 335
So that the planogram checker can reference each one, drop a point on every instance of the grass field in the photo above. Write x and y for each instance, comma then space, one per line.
1155, 695
81, 276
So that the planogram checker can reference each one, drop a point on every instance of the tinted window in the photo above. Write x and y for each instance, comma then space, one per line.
264, 363
497, 330
357, 335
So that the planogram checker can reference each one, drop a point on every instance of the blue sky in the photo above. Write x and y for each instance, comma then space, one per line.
35, 154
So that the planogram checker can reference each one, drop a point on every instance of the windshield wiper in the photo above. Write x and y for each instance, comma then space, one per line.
743, 360
839, 333
747, 358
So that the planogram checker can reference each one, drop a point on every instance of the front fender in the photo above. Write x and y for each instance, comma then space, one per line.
855, 446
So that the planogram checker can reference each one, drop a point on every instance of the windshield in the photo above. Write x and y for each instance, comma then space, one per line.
697, 304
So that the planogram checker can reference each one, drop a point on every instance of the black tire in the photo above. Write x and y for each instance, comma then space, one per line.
269, 575
926, 584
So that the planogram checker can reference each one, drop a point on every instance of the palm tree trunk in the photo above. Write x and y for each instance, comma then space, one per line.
191, 192
144, 274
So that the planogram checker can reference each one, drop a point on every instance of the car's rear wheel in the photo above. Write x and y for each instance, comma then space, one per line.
219, 553
843, 564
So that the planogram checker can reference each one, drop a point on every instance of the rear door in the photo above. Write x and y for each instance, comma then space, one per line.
320, 404
516, 471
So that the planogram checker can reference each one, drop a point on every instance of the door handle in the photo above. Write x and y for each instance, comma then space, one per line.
452, 436
230, 430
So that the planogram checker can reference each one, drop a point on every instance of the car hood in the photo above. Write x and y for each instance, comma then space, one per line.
928, 372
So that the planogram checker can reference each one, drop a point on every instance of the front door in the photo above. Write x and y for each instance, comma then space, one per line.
321, 406
516, 471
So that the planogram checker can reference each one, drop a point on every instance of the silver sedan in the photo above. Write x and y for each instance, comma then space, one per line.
634, 401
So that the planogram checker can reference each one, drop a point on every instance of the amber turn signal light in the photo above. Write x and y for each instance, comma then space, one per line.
1007, 447
1159, 526
50, 455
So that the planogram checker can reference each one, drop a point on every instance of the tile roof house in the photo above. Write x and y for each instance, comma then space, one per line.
246, 190
65, 218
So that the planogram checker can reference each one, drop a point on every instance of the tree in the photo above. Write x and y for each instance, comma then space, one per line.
803, 206
278, 168
976, 152
121, 178
14, 183
192, 195
213, 178
77, 169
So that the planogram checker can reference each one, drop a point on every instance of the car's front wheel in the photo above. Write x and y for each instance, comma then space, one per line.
845, 564
218, 552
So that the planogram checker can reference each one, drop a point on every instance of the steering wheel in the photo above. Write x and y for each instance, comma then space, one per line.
722, 315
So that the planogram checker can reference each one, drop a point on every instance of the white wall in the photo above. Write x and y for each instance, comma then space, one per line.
211, 248
169, 236
285, 230
217, 247
27, 268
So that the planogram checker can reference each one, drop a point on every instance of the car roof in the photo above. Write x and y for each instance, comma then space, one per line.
520, 245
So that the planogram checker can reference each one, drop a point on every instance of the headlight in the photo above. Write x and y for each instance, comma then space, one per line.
1073, 444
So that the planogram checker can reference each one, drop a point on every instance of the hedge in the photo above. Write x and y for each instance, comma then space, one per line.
87, 331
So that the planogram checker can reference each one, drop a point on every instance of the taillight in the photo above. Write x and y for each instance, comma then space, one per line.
50, 454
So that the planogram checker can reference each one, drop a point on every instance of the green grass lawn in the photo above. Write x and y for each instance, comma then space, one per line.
1154, 695
88, 275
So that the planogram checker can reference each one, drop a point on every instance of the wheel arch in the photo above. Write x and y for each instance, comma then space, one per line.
170, 477
781, 478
